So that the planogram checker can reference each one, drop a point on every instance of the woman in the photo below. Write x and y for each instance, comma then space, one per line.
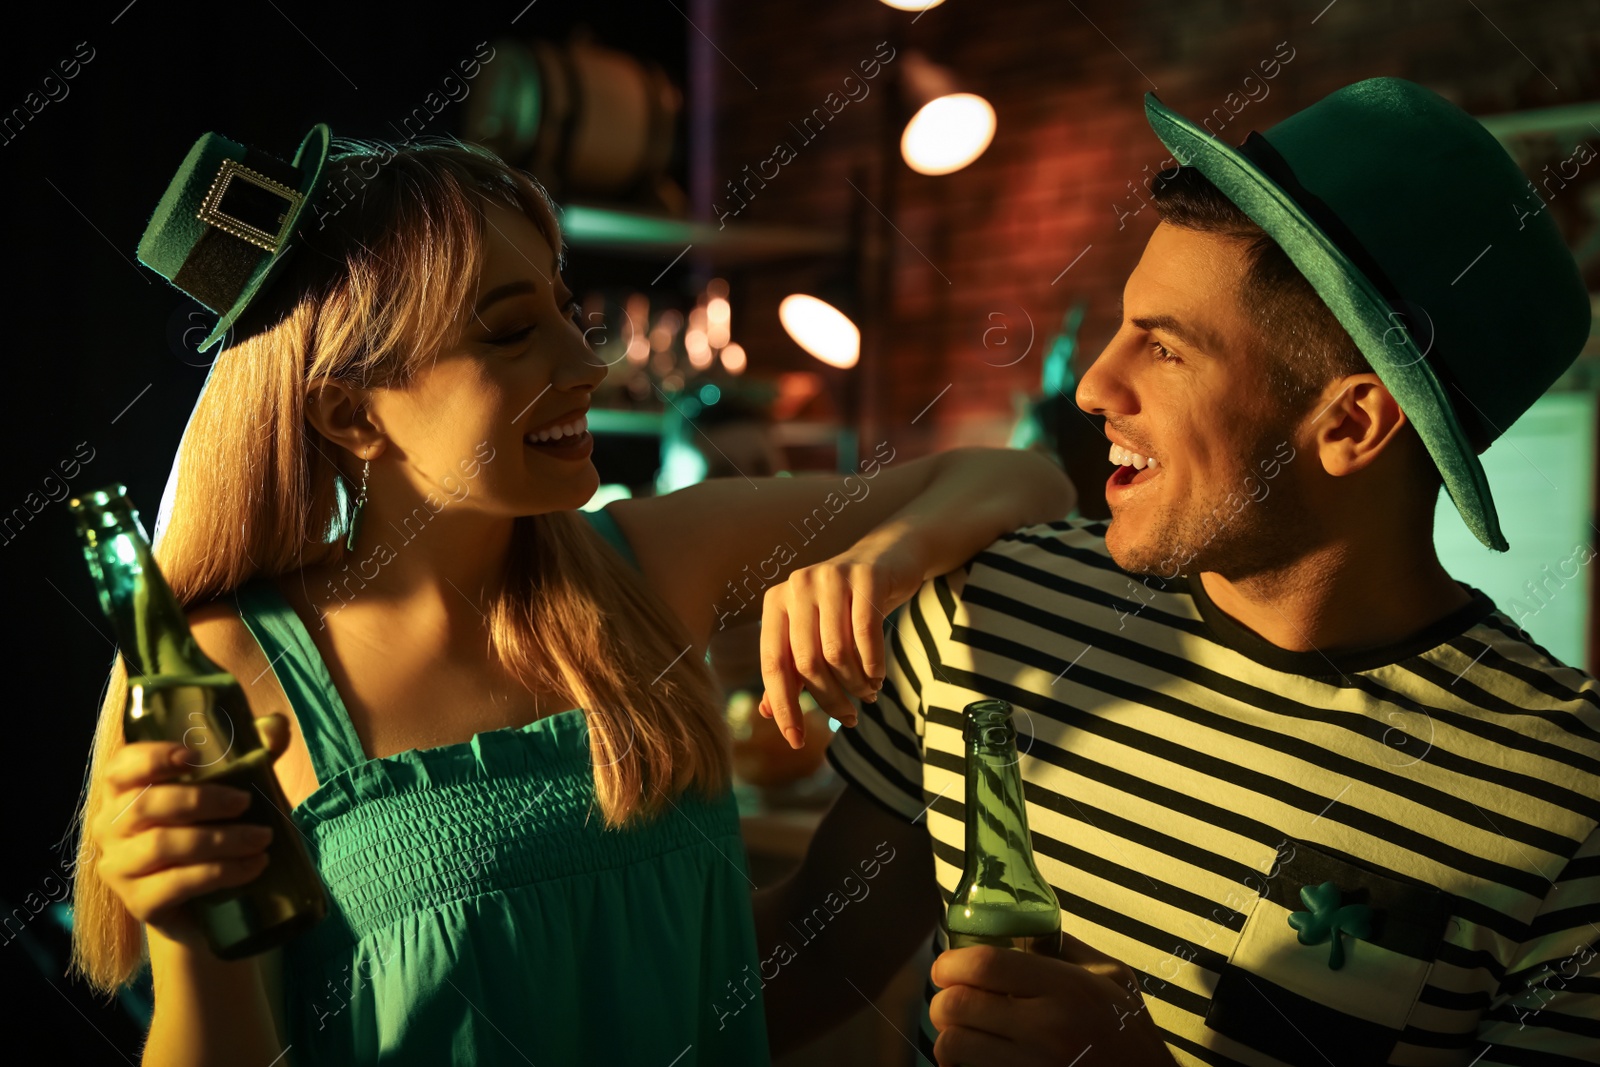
496, 725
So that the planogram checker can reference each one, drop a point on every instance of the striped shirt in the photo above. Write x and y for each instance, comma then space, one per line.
1185, 779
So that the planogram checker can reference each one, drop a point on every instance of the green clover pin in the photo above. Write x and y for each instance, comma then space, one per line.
1326, 920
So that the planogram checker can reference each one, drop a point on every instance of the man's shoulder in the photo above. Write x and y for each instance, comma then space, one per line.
1063, 563
1027, 561
1509, 669
1065, 547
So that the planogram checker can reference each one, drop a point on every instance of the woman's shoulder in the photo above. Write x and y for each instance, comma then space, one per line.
222, 614
223, 635
220, 630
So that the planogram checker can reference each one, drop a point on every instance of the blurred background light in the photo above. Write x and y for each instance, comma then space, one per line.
821, 329
950, 128
947, 133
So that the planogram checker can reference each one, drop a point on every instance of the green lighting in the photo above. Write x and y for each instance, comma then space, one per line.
598, 224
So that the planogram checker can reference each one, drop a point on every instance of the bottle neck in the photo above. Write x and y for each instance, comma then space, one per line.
151, 628
997, 829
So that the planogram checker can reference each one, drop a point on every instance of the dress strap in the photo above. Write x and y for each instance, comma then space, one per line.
330, 736
607, 527
325, 725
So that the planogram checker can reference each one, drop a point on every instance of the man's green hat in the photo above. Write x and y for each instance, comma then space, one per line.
1431, 248
227, 222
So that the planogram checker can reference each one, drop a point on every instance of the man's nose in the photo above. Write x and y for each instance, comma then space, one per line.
1099, 386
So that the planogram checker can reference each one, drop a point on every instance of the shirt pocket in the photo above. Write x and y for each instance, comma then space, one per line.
1286, 999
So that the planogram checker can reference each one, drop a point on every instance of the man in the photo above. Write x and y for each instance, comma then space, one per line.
1255, 693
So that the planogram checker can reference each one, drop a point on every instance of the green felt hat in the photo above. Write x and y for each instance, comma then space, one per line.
227, 222
1428, 244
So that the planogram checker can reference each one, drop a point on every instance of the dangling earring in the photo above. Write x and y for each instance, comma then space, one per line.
361, 503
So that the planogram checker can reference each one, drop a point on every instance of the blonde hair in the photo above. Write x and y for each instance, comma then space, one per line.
371, 298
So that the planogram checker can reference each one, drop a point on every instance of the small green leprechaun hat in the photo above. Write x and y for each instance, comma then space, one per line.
227, 222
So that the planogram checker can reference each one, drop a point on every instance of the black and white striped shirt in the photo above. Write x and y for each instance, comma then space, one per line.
1185, 780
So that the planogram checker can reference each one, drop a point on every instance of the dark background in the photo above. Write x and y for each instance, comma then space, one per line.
93, 342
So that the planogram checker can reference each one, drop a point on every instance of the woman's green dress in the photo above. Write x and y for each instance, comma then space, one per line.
481, 913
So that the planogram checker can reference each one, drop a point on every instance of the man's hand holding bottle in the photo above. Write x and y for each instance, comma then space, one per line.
1000, 1008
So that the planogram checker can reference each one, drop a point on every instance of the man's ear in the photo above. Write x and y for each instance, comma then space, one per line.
1355, 420
342, 413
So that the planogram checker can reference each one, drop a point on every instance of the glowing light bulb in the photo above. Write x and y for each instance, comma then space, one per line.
947, 133
821, 329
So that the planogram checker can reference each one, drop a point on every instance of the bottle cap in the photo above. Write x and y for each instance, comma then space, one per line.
989, 723
98, 497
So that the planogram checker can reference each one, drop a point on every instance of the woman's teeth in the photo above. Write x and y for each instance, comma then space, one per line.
556, 433
1122, 457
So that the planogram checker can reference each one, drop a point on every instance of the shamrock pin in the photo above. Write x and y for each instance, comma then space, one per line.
1326, 920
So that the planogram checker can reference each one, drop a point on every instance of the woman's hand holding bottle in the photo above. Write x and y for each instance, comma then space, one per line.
162, 842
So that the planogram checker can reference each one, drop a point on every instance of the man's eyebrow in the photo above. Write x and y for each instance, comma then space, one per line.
1194, 335
1191, 334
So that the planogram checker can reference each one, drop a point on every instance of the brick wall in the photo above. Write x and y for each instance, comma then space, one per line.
981, 258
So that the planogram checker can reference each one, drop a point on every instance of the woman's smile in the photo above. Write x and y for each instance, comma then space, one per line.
577, 446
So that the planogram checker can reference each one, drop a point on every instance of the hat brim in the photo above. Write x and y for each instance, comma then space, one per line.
1354, 300
309, 159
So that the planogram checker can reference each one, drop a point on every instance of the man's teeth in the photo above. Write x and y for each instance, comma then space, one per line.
555, 433
1122, 457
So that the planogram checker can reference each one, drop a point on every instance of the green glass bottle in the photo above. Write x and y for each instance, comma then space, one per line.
1002, 899
176, 693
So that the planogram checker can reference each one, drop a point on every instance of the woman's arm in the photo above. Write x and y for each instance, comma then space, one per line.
972, 496
163, 842
208, 1011
713, 550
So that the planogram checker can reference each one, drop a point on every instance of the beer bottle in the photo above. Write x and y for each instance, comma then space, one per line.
1002, 899
176, 693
